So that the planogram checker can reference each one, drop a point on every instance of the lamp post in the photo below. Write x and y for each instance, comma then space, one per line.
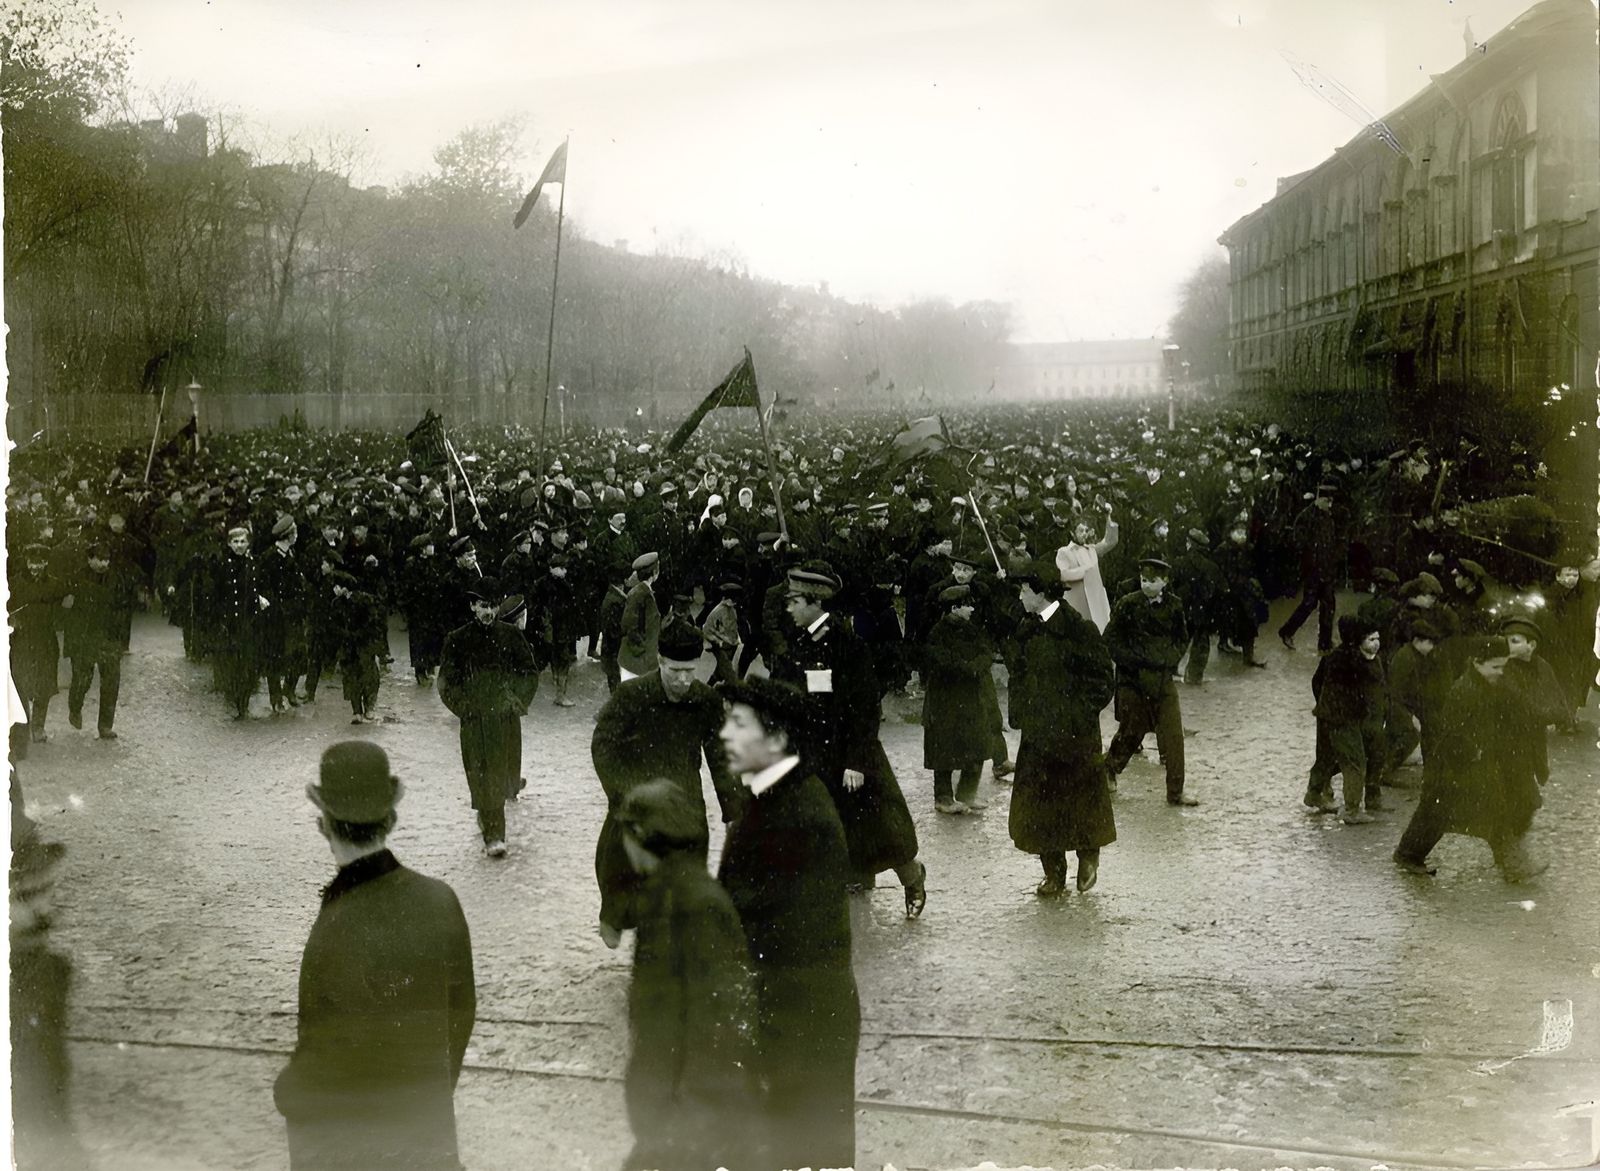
194, 410
1169, 362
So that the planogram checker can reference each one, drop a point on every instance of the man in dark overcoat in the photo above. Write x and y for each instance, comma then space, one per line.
487, 678
957, 657
826, 661
283, 623
1062, 679
96, 610
34, 607
239, 604
387, 995
1322, 550
1147, 636
784, 865
658, 726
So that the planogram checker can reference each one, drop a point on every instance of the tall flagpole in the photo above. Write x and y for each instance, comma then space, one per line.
766, 443
550, 337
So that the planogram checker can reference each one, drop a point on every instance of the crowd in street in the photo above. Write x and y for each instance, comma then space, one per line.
1096, 558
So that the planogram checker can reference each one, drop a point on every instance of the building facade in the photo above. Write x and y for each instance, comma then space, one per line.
1058, 371
1453, 243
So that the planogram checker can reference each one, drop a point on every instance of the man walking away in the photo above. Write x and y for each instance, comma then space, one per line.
387, 996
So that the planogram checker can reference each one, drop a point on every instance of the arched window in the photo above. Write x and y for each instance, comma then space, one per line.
1506, 175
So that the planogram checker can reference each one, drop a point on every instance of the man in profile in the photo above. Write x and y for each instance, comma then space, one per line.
387, 997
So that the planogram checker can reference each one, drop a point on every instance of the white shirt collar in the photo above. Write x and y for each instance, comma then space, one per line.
817, 625
759, 782
1049, 611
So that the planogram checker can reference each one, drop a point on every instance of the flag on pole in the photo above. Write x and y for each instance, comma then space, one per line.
555, 171
738, 389
425, 442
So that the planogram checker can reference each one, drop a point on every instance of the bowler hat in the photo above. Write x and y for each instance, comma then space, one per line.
355, 783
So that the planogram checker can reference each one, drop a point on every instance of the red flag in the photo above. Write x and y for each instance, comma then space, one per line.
555, 171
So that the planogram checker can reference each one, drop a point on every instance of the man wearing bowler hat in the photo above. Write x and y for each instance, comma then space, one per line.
387, 995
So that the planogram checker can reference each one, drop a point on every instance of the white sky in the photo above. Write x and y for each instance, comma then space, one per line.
1075, 158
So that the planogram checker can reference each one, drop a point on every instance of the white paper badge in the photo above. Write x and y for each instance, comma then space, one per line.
819, 681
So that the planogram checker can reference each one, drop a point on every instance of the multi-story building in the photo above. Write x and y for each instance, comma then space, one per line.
1091, 369
1452, 244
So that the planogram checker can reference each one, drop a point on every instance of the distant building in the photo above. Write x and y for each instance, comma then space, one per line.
1453, 243
1054, 371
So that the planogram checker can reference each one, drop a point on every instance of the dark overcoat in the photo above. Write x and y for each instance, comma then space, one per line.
843, 734
487, 678
1062, 799
641, 630
643, 736
785, 865
34, 607
387, 1003
1485, 779
691, 1084
955, 726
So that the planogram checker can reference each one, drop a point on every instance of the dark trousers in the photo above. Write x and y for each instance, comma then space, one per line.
108, 660
613, 670
491, 754
1055, 862
1139, 715
1318, 596
752, 648
968, 788
1430, 821
1199, 655
1356, 752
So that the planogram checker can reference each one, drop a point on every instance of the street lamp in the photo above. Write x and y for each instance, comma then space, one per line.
1169, 362
194, 410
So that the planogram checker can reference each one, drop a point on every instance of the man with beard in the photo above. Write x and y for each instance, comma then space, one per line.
1064, 677
658, 725
487, 679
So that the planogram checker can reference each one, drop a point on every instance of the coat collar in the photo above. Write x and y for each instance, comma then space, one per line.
363, 869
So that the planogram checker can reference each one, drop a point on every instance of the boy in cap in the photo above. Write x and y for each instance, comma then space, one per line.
691, 1085
387, 994
721, 629
1535, 683
1349, 690
641, 619
1147, 636
488, 678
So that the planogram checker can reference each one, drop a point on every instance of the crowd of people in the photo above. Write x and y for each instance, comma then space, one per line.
1094, 556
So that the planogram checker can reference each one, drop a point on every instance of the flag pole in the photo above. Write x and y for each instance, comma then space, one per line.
766, 444
448, 446
156, 434
550, 337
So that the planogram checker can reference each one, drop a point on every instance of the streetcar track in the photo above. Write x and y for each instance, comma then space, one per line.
1378, 1052
1404, 1159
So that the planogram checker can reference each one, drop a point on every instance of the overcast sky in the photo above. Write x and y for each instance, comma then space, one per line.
1076, 159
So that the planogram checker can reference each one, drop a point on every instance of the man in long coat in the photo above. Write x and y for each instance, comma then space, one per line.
641, 619
826, 661
1063, 678
1147, 636
238, 608
34, 607
658, 726
282, 582
387, 995
784, 865
488, 678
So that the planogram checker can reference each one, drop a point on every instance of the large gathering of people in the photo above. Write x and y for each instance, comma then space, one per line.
1074, 559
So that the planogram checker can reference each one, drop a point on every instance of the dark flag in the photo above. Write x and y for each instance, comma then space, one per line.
555, 171
182, 440
738, 389
425, 442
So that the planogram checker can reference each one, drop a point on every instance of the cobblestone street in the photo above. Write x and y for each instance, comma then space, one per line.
1249, 985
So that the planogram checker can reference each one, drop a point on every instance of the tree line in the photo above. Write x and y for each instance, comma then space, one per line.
148, 243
